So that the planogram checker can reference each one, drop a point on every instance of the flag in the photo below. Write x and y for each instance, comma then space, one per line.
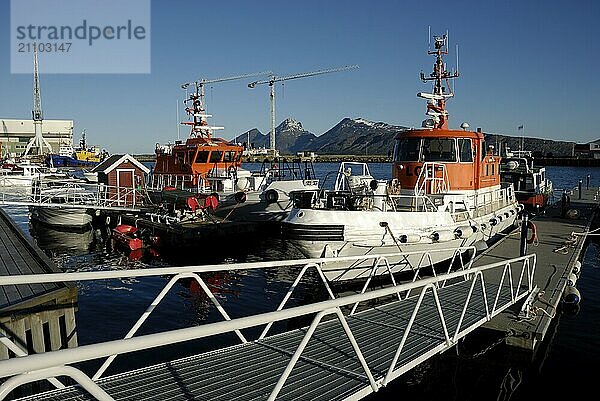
520, 127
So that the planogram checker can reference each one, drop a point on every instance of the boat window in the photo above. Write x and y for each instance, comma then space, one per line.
229, 156
529, 183
202, 156
238, 156
179, 157
465, 151
407, 150
216, 156
190, 157
439, 150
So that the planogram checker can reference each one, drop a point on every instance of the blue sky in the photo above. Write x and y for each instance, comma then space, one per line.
528, 63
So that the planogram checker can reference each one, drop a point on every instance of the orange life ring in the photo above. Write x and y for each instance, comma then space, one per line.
531, 226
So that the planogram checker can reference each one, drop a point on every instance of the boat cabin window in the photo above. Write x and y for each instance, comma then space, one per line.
216, 156
439, 150
465, 151
202, 156
179, 157
407, 150
190, 158
229, 156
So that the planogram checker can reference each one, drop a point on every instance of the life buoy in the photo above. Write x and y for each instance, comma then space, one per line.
531, 227
271, 196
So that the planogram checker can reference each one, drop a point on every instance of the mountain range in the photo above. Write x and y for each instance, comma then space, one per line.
361, 136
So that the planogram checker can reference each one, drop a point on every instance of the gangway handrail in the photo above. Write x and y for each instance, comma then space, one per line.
213, 268
36, 362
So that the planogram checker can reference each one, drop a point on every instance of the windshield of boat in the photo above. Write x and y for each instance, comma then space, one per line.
202, 156
407, 150
216, 156
439, 150
465, 151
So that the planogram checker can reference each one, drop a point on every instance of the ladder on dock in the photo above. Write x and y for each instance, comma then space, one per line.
350, 349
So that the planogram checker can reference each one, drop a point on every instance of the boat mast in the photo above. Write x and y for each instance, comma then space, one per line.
436, 101
199, 124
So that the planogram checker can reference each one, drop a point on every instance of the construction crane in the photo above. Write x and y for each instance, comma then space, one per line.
38, 141
271, 82
196, 98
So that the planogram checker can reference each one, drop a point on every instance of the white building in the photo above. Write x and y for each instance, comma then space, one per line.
15, 134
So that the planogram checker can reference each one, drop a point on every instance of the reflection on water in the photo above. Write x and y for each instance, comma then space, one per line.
62, 240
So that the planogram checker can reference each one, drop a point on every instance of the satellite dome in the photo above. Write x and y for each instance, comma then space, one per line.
464, 126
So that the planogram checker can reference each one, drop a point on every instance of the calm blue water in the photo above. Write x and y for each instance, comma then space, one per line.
107, 309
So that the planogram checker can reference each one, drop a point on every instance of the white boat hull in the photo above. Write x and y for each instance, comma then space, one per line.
60, 217
326, 233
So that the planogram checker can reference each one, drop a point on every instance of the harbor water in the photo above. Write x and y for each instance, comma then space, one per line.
479, 368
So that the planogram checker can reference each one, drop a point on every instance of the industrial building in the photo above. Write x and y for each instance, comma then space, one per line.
15, 134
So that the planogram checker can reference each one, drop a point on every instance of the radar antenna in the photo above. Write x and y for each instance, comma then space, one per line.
436, 101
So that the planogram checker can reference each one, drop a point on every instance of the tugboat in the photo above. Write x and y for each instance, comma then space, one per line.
532, 188
445, 194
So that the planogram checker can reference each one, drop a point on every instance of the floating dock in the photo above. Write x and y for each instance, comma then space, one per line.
561, 234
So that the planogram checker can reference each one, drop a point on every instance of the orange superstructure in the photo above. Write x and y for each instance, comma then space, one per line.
202, 155
458, 157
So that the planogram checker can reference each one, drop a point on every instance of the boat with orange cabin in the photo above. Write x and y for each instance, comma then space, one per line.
445, 194
209, 165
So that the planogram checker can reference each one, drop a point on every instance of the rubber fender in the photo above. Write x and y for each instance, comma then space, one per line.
464, 231
271, 196
493, 221
410, 238
443, 236
577, 267
240, 197
571, 279
571, 296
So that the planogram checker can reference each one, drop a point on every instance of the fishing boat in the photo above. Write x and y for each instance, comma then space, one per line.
210, 165
445, 194
532, 187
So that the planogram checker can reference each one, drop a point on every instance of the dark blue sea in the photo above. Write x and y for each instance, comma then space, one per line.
478, 369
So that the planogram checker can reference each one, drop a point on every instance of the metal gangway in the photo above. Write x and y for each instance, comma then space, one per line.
351, 348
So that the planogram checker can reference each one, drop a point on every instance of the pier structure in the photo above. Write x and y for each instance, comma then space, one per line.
353, 346
34, 318
561, 232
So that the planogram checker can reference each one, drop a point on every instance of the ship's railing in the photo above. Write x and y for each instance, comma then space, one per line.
432, 179
479, 204
69, 194
516, 277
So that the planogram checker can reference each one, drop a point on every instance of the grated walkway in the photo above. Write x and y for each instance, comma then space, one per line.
328, 368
